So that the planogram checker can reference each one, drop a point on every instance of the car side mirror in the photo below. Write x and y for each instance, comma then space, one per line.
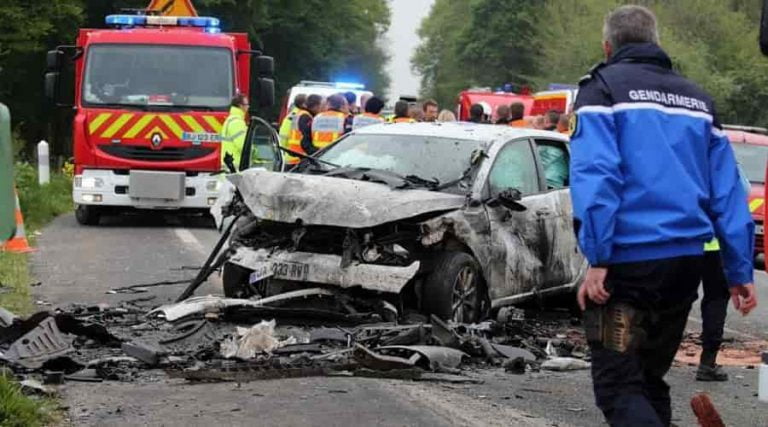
509, 198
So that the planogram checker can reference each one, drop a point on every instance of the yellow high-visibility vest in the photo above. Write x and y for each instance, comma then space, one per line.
327, 127
294, 138
233, 134
366, 119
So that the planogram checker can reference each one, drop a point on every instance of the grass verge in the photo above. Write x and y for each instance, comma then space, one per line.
15, 280
41, 203
18, 410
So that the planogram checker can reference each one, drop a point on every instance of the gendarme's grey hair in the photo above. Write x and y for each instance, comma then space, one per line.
630, 24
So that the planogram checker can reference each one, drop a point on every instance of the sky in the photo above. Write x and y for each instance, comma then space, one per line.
401, 40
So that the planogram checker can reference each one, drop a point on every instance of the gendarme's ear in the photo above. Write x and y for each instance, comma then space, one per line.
607, 49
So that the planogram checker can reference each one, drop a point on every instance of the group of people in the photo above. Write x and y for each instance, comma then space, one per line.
514, 115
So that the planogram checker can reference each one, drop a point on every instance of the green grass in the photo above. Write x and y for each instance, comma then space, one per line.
41, 203
16, 409
15, 293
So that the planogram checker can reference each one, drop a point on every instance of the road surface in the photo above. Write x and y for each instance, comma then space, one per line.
79, 264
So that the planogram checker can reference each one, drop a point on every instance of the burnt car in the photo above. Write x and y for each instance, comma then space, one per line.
452, 219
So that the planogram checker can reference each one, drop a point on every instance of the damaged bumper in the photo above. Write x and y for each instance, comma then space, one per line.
323, 269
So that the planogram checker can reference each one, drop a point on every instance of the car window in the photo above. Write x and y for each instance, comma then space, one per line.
752, 159
554, 161
514, 167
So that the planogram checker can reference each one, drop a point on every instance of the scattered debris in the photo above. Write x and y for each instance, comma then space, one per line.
42, 343
565, 364
144, 352
248, 342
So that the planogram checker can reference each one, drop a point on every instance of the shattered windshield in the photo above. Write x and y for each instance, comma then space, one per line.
431, 158
171, 76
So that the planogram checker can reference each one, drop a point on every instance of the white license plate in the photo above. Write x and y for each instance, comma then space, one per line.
759, 229
280, 270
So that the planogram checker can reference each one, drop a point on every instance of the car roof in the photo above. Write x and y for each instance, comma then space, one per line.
750, 138
460, 130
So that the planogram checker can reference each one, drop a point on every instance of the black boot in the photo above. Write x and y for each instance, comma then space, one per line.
708, 369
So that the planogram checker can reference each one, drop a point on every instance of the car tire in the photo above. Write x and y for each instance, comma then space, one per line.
235, 281
87, 215
455, 290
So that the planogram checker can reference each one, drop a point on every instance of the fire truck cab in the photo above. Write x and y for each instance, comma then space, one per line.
151, 96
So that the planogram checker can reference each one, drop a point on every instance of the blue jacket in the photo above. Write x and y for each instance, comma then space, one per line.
652, 173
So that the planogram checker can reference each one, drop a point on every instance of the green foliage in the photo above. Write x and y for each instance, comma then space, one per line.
41, 203
18, 410
713, 42
15, 281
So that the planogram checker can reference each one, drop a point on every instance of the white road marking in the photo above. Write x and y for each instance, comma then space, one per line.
729, 330
190, 240
193, 243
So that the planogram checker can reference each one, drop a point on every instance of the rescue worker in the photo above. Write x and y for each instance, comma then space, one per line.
402, 111
430, 110
328, 126
502, 112
517, 115
714, 307
372, 114
551, 119
476, 113
233, 134
653, 177
285, 126
301, 127
352, 110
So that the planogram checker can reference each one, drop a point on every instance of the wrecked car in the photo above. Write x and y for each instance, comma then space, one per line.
451, 219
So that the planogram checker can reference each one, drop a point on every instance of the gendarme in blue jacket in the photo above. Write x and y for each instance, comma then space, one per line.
652, 173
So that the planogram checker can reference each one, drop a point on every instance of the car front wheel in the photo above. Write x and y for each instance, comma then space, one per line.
454, 290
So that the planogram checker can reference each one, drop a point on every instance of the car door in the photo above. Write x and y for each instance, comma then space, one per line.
519, 239
561, 259
262, 147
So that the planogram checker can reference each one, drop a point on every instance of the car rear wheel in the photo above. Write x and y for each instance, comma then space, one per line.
454, 290
87, 215
235, 281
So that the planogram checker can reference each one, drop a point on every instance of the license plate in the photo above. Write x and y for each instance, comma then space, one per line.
280, 270
759, 229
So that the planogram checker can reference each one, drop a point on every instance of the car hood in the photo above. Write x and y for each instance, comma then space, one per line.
320, 200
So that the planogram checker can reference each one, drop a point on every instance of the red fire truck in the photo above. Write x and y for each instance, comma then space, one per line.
151, 94
490, 101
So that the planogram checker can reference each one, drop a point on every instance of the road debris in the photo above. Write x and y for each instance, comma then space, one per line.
309, 332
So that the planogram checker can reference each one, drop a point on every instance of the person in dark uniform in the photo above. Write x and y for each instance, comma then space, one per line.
653, 178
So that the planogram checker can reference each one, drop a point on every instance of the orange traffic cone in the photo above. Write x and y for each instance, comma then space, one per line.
18, 243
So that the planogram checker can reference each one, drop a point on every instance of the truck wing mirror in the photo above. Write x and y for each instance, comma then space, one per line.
264, 66
54, 59
265, 91
52, 86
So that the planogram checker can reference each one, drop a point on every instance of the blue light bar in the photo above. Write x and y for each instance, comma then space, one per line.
129, 20
210, 24
212, 30
199, 21
347, 85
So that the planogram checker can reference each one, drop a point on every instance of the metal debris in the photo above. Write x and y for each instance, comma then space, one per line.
42, 343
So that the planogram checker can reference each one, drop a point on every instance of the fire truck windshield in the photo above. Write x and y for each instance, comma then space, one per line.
150, 76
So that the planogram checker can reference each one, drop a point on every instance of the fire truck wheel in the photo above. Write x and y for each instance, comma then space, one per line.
87, 215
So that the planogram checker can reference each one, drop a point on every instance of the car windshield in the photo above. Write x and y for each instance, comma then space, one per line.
169, 76
752, 159
430, 158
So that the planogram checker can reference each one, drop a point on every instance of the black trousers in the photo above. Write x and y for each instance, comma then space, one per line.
629, 386
714, 305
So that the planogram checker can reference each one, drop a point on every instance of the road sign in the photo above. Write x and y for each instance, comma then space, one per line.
173, 7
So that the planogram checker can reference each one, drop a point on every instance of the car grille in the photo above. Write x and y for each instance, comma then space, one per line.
136, 152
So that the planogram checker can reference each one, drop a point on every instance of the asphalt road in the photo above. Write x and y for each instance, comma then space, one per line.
80, 264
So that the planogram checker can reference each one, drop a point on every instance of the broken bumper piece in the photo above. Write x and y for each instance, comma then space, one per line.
324, 269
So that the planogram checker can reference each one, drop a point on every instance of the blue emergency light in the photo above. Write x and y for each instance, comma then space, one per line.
210, 24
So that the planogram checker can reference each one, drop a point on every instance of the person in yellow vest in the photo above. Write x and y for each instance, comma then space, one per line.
402, 111
371, 116
714, 306
327, 126
300, 134
285, 126
233, 134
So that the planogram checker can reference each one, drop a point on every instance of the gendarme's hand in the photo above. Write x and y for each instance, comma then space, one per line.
593, 287
744, 298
